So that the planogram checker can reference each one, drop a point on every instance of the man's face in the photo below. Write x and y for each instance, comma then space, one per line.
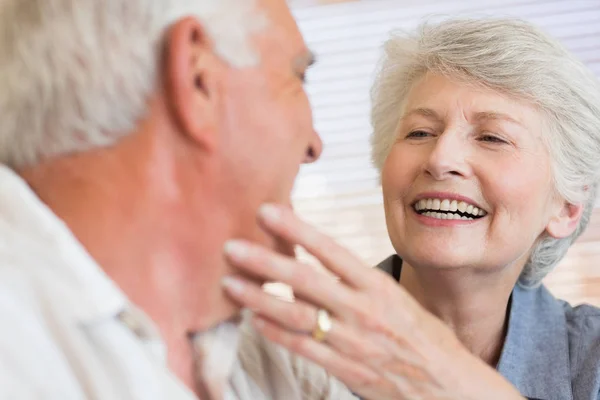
266, 121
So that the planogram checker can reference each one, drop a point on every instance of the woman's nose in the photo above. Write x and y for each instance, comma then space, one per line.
448, 157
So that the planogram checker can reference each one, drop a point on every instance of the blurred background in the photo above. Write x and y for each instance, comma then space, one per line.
340, 194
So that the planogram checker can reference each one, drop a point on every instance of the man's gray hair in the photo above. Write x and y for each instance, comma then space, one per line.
78, 74
516, 58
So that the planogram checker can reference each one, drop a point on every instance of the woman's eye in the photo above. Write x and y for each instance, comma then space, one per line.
418, 134
491, 139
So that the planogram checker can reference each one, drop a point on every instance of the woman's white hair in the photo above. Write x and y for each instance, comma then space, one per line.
516, 58
77, 74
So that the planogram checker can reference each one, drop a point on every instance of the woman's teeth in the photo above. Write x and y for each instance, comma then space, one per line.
448, 209
445, 216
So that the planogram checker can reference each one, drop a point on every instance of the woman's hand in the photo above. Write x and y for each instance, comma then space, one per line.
382, 343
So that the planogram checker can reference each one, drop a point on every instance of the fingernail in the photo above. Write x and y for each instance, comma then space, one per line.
236, 249
232, 284
270, 212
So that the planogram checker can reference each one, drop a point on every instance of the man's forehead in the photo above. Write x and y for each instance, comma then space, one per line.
278, 8
279, 14
284, 33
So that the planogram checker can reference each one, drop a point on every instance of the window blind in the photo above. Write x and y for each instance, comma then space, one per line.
340, 193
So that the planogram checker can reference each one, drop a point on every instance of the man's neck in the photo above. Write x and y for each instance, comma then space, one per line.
474, 308
146, 240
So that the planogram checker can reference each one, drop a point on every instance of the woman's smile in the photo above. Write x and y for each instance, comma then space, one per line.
446, 209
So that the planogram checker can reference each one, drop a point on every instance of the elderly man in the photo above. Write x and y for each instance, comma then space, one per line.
137, 136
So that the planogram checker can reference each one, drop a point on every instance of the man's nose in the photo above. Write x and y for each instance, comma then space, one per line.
314, 149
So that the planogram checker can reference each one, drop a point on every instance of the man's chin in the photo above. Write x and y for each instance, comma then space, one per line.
275, 243
281, 246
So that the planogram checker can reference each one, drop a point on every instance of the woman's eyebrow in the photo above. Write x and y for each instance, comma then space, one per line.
423, 112
495, 116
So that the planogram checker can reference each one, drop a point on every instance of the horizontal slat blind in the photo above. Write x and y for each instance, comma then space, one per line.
340, 194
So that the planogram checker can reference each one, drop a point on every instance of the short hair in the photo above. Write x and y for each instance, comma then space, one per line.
516, 58
78, 74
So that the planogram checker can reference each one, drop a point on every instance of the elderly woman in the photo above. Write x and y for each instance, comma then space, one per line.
487, 140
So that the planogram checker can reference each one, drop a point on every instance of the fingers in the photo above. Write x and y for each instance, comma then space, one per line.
282, 222
306, 281
296, 316
345, 369
301, 317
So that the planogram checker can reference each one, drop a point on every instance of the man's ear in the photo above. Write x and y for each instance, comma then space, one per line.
565, 221
189, 71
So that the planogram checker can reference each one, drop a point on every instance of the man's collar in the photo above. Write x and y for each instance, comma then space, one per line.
535, 356
35, 238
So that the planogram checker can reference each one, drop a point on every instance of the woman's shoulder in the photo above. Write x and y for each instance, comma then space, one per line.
581, 314
543, 301
582, 336
583, 332
552, 349
579, 323
583, 329
582, 322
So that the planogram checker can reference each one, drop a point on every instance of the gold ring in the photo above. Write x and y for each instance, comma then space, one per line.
323, 325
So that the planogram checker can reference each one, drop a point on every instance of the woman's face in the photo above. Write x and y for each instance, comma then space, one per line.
468, 181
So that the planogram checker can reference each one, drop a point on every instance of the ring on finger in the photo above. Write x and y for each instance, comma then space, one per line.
323, 325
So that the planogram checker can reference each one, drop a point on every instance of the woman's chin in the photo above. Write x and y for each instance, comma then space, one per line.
441, 257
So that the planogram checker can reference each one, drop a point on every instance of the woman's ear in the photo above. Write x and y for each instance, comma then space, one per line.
190, 67
566, 220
